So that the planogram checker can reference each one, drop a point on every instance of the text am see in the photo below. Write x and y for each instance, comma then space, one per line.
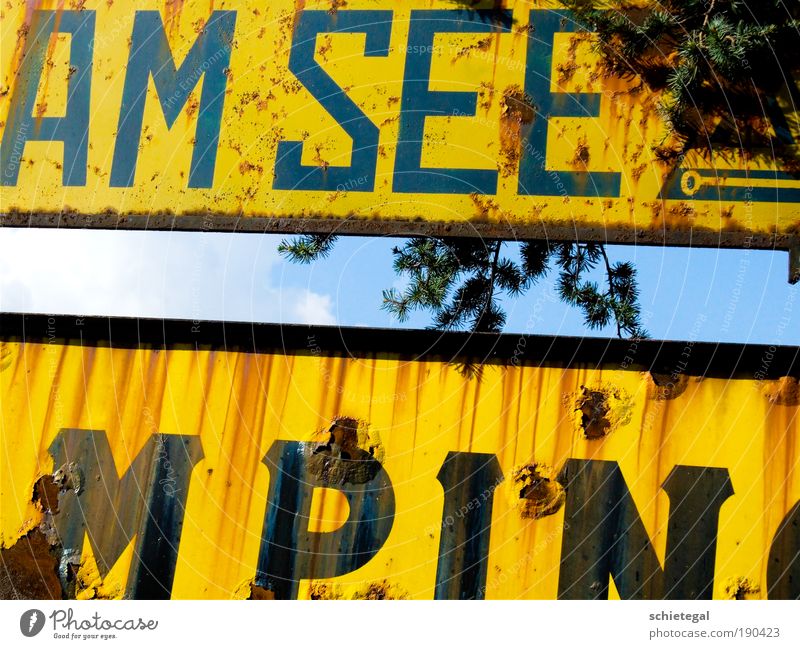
207, 64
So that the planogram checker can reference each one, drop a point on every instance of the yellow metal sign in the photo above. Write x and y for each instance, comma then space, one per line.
365, 116
146, 459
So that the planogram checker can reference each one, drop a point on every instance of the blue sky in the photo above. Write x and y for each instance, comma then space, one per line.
686, 293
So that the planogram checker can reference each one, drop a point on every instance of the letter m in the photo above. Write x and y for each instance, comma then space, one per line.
150, 54
145, 505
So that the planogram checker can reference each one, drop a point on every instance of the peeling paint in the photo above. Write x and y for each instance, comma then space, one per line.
45, 494
517, 109
741, 588
665, 387
381, 590
344, 457
29, 569
323, 591
598, 411
783, 392
250, 591
539, 493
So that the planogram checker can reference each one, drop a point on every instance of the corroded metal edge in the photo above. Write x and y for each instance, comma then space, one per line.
700, 237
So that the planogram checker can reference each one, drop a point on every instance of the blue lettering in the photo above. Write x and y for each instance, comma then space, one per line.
150, 54
290, 173
73, 128
534, 177
419, 102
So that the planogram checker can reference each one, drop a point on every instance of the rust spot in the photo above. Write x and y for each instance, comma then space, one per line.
246, 166
69, 476
485, 95
380, 590
600, 410
485, 207
538, 492
259, 593
681, 215
482, 45
566, 71
336, 5
582, 155
321, 162
192, 105
250, 590
740, 588
350, 454
524, 29
29, 569
325, 47
783, 392
665, 387
173, 13
44, 548
321, 591
637, 172
45, 494
517, 105
516, 108
263, 102
593, 406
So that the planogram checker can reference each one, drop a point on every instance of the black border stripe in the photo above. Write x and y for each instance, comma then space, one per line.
668, 357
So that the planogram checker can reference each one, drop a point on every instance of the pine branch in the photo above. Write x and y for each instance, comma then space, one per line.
713, 61
459, 280
611, 292
307, 248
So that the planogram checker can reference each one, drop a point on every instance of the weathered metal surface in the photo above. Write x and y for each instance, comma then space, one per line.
209, 460
371, 116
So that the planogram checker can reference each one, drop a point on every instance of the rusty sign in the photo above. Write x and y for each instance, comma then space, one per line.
359, 117
157, 459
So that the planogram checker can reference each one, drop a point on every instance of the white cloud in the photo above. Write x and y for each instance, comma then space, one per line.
152, 274
312, 308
